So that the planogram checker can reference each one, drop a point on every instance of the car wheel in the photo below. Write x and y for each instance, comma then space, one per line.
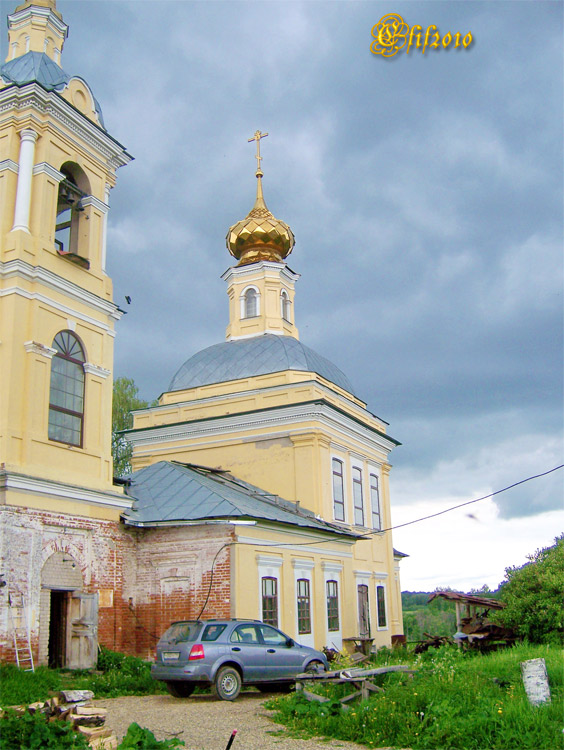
227, 684
315, 666
180, 689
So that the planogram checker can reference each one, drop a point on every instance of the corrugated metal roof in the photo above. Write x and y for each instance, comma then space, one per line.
172, 492
260, 355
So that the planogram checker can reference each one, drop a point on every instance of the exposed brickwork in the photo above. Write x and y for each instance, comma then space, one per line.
146, 578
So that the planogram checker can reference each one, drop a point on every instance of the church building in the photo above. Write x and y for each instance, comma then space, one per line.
260, 480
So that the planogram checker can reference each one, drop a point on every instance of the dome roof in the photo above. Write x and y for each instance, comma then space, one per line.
35, 67
247, 358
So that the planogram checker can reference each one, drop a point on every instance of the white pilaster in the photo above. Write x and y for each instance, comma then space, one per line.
25, 173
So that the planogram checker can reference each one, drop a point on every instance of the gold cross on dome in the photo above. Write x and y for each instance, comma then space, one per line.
256, 137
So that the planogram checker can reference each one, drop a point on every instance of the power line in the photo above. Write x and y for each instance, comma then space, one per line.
477, 500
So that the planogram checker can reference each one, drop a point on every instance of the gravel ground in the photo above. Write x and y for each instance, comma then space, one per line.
206, 724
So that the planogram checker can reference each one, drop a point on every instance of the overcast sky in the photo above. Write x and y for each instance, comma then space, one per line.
426, 196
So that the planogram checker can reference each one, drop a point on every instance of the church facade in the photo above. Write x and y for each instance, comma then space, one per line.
260, 480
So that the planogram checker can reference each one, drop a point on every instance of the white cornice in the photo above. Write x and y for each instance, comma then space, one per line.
91, 200
269, 561
33, 347
252, 269
100, 372
22, 17
9, 164
273, 419
379, 575
50, 103
331, 567
44, 168
255, 335
47, 487
303, 564
37, 274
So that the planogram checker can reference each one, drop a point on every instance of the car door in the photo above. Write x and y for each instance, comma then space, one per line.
248, 648
283, 661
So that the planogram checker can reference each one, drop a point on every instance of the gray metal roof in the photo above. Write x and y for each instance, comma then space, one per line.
171, 492
246, 358
35, 67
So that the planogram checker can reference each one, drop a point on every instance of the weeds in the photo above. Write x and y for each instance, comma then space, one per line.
455, 700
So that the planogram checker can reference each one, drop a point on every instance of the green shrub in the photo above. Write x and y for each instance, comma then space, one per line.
34, 732
455, 700
138, 738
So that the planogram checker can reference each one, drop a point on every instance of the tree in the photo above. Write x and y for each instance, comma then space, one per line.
125, 401
533, 595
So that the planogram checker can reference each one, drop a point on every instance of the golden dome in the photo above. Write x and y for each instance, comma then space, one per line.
259, 236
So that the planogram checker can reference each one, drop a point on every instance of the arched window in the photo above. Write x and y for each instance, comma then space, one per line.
250, 307
285, 306
72, 189
66, 394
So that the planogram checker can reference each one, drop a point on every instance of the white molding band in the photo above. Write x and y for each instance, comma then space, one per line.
100, 372
298, 564
33, 347
9, 164
269, 561
331, 567
31, 485
23, 190
44, 168
91, 200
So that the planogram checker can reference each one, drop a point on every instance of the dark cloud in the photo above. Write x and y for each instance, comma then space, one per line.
425, 193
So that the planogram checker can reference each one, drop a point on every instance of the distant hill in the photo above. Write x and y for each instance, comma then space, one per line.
437, 618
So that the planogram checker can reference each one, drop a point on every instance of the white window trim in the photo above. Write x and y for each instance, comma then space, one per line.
355, 464
382, 583
242, 301
269, 567
332, 572
342, 460
285, 305
303, 569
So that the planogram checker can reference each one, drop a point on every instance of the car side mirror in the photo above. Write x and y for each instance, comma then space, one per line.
290, 642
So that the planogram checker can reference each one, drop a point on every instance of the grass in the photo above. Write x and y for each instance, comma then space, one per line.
452, 702
116, 675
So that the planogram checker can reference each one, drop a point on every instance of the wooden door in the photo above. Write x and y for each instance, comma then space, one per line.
82, 642
363, 612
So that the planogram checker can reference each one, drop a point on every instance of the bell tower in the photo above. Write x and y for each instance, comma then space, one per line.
260, 286
57, 315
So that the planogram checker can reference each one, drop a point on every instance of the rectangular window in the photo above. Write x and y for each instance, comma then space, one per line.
304, 606
338, 490
375, 502
332, 606
363, 611
381, 602
357, 495
270, 601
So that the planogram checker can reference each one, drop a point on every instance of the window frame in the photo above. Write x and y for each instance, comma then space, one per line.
78, 363
303, 604
269, 609
375, 495
381, 607
245, 303
341, 476
285, 306
332, 600
358, 495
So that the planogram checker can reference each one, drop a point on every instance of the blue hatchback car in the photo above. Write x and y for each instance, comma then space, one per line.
228, 654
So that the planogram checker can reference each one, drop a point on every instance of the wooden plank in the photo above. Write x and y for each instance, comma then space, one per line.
315, 697
355, 674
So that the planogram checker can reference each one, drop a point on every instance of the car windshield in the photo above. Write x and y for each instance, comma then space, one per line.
182, 631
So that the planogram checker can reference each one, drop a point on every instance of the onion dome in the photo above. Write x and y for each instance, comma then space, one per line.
260, 235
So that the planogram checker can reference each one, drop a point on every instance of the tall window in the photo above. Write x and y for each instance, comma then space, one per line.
381, 603
332, 606
363, 611
338, 490
270, 601
375, 502
66, 395
304, 606
357, 495
251, 303
285, 305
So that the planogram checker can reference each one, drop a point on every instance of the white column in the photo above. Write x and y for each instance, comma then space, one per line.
25, 172
105, 229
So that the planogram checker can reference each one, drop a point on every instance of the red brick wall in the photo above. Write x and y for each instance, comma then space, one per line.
155, 576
